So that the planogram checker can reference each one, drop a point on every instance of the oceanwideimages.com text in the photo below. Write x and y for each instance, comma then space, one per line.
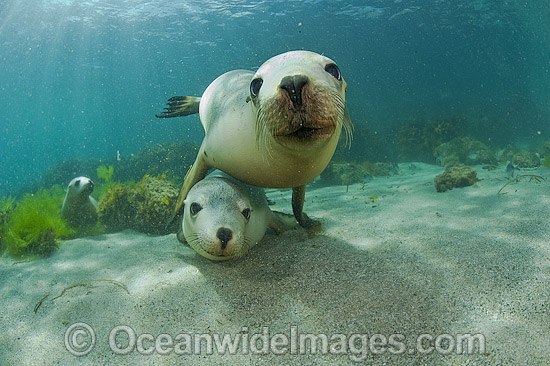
80, 339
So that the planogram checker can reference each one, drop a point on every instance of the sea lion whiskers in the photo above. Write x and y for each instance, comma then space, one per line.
247, 242
348, 128
193, 238
245, 245
343, 118
194, 235
263, 135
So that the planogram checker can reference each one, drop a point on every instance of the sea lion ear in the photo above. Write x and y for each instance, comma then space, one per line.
248, 99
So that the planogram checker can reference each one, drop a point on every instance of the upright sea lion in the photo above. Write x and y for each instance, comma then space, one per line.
223, 218
79, 208
276, 128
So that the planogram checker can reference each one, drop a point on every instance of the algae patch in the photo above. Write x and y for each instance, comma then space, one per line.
33, 226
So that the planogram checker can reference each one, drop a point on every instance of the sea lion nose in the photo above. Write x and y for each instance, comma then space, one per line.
224, 234
293, 84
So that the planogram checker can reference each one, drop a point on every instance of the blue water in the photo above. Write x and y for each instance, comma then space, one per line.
84, 79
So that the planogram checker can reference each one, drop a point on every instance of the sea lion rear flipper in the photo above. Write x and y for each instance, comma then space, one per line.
298, 197
180, 106
197, 172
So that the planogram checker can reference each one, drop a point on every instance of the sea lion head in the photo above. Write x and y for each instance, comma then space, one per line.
299, 99
216, 217
81, 187
79, 209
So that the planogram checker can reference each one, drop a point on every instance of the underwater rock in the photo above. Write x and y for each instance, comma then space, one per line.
115, 211
380, 169
506, 154
170, 159
410, 144
526, 159
464, 150
544, 150
154, 200
456, 176
418, 140
342, 174
145, 207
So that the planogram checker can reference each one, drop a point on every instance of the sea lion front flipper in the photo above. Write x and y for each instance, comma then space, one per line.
197, 172
180, 106
282, 222
298, 198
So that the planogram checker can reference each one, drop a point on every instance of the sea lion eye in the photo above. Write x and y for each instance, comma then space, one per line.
334, 71
194, 208
77, 183
255, 86
246, 213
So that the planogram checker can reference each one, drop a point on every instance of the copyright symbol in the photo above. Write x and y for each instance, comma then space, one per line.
79, 339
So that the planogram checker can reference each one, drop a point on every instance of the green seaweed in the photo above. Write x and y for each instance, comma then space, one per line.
86, 283
7, 204
105, 173
105, 177
35, 223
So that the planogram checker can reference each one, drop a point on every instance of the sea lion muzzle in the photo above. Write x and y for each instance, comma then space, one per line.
293, 85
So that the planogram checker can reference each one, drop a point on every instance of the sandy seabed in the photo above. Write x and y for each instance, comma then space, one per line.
394, 279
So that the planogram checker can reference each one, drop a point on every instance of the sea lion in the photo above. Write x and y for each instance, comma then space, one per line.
275, 128
223, 218
79, 208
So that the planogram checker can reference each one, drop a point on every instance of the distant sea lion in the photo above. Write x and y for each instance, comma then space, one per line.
276, 128
79, 208
223, 218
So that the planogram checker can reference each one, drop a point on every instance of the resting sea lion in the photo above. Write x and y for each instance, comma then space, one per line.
223, 218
